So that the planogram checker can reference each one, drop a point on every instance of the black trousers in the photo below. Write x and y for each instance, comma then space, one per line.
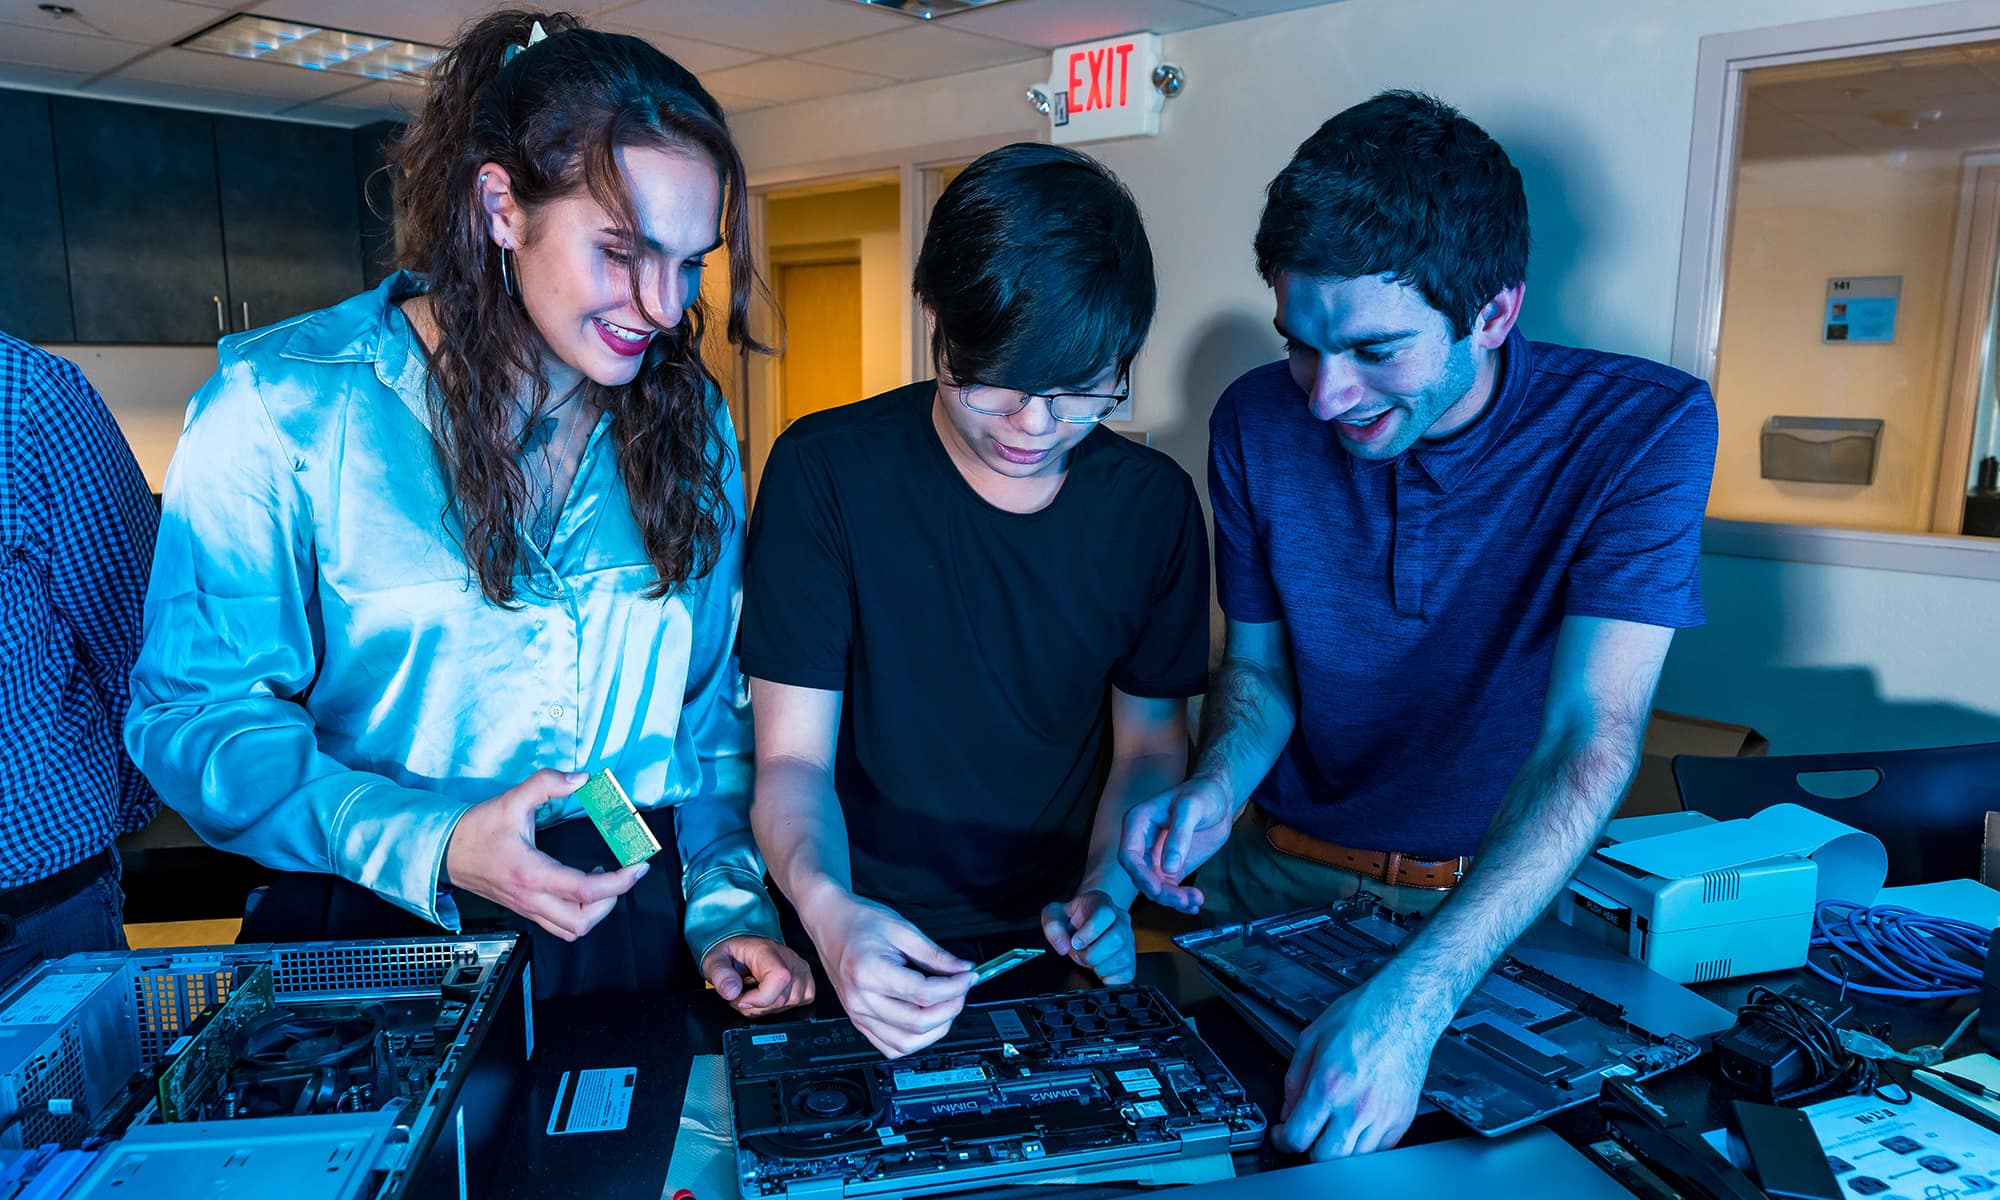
638, 947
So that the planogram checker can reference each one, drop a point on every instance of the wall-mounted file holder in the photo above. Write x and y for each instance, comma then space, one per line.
1821, 449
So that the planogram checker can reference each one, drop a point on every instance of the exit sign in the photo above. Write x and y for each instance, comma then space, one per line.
1105, 90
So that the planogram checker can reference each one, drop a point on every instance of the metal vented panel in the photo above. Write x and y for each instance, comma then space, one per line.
54, 1074
328, 967
168, 998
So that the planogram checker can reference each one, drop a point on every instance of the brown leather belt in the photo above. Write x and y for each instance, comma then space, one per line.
1390, 867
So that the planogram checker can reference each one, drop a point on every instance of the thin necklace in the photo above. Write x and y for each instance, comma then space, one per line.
540, 431
541, 425
542, 529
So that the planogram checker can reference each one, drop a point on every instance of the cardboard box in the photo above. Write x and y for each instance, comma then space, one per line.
1668, 734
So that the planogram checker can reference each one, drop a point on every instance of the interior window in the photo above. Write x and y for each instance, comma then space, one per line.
1854, 373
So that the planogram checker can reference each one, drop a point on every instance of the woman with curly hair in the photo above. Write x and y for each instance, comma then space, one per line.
430, 555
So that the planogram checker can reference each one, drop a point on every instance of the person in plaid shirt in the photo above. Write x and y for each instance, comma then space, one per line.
76, 544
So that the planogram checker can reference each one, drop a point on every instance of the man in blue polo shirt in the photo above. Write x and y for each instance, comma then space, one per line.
1451, 561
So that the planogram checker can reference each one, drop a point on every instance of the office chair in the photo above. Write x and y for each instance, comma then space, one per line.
1927, 806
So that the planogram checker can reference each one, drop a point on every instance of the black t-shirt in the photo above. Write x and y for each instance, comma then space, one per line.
976, 648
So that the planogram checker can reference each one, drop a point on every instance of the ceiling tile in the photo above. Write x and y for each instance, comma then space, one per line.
1869, 90
433, 21
766, 26
180, 95
401, 99
1771, 133
784, 80
346, 118
1051, 23
922, 52
733, 104
1968, 121
696, 56
64, 51
195, 68
147, 21
20, 75
1258, 8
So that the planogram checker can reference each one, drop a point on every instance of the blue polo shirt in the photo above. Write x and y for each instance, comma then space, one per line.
1423, 594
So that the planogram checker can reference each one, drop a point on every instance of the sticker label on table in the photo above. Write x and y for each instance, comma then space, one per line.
601, 1100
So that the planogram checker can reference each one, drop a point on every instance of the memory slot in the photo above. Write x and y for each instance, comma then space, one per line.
1566, 993
1051, 1087
1332, 943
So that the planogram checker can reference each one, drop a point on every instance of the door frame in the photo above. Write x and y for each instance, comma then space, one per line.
916, 171
1972, 290
1723, 60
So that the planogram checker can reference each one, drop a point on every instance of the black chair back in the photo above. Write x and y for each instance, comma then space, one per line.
1928, 806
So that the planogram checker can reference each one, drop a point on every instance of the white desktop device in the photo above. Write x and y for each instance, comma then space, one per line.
1738, 918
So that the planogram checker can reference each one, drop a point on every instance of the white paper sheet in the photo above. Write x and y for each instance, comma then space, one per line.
1852, 864
1888, 1150
1963, 899
1876, 1139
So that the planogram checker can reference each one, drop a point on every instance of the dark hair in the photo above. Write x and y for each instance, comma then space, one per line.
554, 116
1037, 269
1401, 185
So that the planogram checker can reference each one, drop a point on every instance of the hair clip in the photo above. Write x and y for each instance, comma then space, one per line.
537, 34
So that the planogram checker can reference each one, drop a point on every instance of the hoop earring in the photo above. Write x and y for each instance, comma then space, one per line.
507, 271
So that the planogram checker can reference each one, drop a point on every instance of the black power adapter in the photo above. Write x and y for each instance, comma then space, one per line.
1782, 1046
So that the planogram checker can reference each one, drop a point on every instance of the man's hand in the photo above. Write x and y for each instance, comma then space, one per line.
1095, 934
492, 854
1356, 1077
900, 989
757, 975
1170, 835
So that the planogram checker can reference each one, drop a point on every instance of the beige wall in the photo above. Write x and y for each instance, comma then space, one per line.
147, 390
1797, 223
870, 218
1595, 102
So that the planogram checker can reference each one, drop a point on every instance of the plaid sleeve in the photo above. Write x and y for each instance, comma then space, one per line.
101, 525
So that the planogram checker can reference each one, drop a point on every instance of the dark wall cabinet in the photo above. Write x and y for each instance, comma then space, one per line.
152, 225
34, 273
142, 221
372, 175
291, 231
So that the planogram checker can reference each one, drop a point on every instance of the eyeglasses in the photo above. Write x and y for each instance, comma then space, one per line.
1071, 408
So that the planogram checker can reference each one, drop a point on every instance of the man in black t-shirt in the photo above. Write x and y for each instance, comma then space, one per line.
972, 618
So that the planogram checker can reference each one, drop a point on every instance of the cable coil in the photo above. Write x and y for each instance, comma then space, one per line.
1889, 950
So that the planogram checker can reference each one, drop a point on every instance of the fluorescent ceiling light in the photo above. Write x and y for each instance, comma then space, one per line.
926, 9
316, 48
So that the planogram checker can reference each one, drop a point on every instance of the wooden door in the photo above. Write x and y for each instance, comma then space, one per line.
821, 366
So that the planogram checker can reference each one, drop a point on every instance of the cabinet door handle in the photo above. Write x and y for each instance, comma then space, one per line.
246, 315
221, 322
